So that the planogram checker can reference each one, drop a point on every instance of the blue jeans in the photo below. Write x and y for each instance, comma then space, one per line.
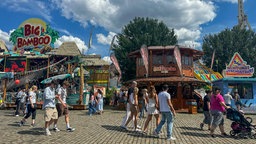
142, 110
166, 116
92, 109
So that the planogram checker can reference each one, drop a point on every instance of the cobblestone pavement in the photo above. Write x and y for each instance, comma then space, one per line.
104, 129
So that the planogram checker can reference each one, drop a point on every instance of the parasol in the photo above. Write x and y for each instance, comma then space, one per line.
57, 77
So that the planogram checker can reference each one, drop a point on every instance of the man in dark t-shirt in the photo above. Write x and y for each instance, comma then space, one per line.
206, 109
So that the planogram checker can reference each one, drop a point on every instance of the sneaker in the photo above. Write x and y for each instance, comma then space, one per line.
70, 129
16, 115
56, 129
137, 130
171, 138
47, 132
138, 127
21, 123
156, 134
201, 126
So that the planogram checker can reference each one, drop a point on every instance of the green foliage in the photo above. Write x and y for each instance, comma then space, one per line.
54, 34
110, 92
226, 43
140, 31
15, 34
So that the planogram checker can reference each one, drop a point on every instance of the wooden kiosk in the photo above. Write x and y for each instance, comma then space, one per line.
163, 68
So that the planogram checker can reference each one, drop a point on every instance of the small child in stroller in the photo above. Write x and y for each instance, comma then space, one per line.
241, 126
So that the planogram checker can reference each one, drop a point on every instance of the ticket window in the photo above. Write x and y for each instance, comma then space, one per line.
245, 90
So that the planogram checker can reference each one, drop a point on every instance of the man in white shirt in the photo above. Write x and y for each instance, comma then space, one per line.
167, 112
227, 99
62, 106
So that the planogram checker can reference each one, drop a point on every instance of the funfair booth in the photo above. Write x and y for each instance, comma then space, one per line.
238, 78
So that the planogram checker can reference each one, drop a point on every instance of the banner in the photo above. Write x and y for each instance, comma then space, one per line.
144, 55
90, 40
116, 64
178, 58
213, 55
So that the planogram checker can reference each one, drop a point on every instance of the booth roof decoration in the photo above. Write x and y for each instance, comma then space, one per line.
238, 67
33, 34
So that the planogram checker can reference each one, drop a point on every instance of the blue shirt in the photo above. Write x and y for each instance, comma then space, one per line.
49, 97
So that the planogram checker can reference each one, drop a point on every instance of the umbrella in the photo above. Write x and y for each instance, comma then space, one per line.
57, 77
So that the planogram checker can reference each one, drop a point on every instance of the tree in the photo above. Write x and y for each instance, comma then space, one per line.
140, 31
226, 43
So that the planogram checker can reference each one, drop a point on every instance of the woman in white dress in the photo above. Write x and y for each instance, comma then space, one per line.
152, 100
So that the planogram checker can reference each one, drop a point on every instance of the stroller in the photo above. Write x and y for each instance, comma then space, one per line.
241, 126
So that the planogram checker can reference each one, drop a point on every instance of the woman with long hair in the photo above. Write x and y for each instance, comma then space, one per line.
133, 101
31, 106
152, 100
99, 101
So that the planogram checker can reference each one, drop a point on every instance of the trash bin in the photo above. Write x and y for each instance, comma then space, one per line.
86, 96
192, 106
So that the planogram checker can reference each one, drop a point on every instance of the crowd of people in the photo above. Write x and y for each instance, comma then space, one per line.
157, 104
54, 105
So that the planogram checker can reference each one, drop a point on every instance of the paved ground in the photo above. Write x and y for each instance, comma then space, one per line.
104, 129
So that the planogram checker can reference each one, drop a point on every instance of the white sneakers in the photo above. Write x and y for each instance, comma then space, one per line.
171, 138
47, 132
56, 129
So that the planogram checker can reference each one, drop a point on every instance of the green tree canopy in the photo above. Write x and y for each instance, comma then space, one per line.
226, 43
140, 31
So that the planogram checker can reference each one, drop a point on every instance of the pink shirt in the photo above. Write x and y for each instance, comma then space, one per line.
215, 103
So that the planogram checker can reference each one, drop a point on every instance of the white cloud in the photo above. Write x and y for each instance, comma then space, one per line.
107, 59
30, 7
5, 37
232, 1
186, 36
105, 40
80, 44
114, 14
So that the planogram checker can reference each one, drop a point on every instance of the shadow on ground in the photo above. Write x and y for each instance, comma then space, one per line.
114, 128
33, 131
190, 128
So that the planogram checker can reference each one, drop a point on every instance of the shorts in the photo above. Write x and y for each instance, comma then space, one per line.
217, 118
133, 108
207, 117
61, 109
50, 113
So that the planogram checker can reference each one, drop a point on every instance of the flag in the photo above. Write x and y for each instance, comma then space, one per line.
90, 40
116, 64
213, 55
144, 55
178, 58
112, 42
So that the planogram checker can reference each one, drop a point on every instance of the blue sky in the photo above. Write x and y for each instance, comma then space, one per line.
191, 19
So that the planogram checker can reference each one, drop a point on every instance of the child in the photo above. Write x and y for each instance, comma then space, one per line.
92, 103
